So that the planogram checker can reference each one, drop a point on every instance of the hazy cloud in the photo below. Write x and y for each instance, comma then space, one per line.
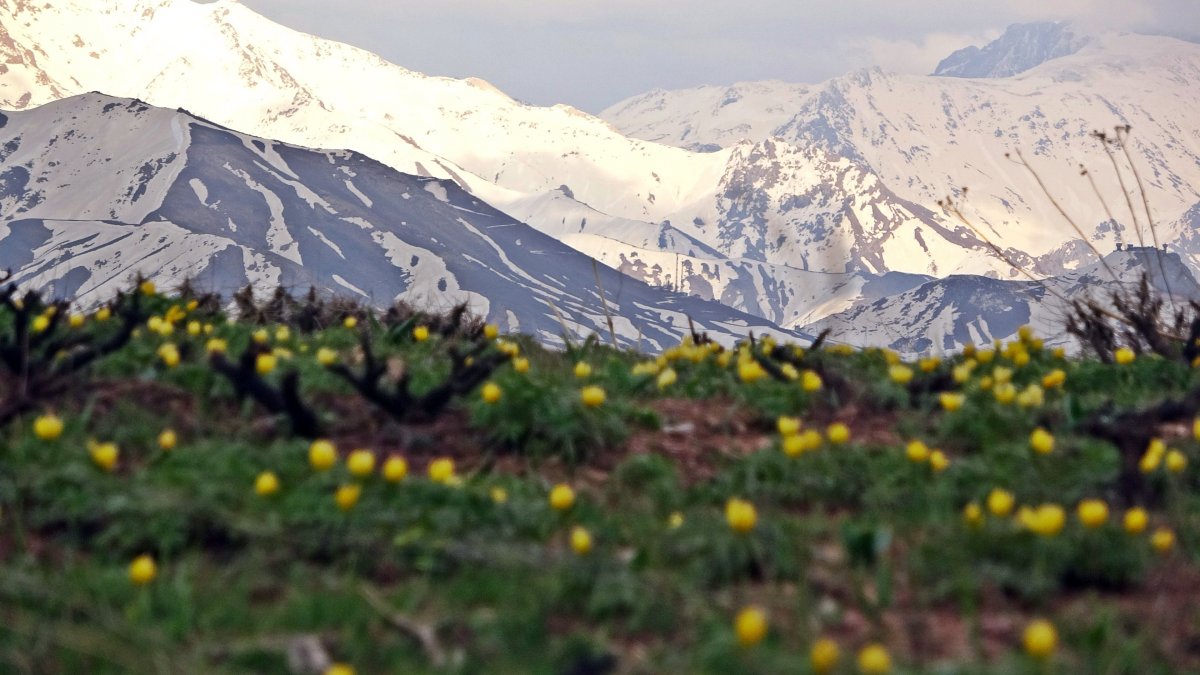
592, 53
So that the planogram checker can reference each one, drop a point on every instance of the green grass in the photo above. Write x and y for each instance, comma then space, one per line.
853, 542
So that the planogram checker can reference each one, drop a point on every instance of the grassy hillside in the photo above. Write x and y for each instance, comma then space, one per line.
314, 489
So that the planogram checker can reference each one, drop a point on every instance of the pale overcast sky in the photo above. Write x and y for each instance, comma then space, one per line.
592, 53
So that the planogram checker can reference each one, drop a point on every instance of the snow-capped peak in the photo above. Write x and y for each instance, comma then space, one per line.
1021, 47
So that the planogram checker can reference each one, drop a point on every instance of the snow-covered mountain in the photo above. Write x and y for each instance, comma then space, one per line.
943, 315
94, 189
1021, 47
555, 168
919, 138
922, 137
790, 202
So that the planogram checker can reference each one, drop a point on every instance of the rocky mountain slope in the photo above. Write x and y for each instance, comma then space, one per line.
942, 315
1021, 47
94, 189
923, 137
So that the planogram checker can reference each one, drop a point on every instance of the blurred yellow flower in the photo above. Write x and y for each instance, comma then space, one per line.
900, 374
750, 626
1041, 441
1163, 540
1176, 461
824, 656
838, 433
810, 381
490, 392
48, 427
1092, 513
562, 497
360, 462
1000, 502
1040, 639
441, 470
266, 484
592, 396
395, 468
347, 495
104, 455
787, 426
951, 401
142, 570
741, 515
581, 540
322, 455
1135, 520
874, 659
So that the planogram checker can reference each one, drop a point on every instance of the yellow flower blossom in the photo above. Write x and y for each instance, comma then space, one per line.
938, 461
750, 626
266, 484
1000, 502
592, 396
142, 570
741, 515
395, 468
951, 401
441, 470
169, 354
562, 497
900, 374
104, 455
1040, 639
917, 451
360, 463
788, 426
327, 356
48, 427
973, 514
1092, 513
1041, 441
322, 455
810, 381
347, 495
1163, 540
874, 659
1135, 520
581, 540
1176, 461
824, 656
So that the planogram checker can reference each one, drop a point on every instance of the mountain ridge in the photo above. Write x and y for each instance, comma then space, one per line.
1023, 46
190, 199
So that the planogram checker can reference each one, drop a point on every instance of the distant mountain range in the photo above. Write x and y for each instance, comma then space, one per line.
95, 188
1022, 47
790, 202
